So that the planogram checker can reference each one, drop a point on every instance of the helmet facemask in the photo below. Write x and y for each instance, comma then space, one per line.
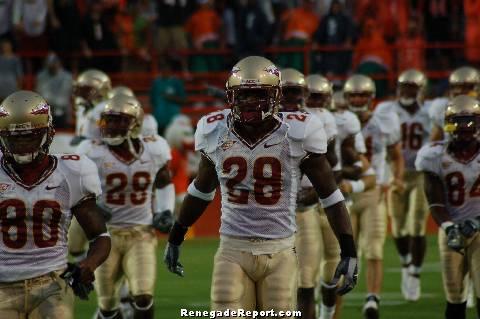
24, 146
253, 105
115, 128
293, 98
359, 102
319, 100
86, 96
469, 89
409, 94
463, 129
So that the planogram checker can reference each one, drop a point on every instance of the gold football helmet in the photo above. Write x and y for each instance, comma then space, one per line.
125, 90
462, 118
91, 87
121, 119
411, 86
253, 90
294, 89
338, 101
359, 92
320, 92
464, 80
25, 126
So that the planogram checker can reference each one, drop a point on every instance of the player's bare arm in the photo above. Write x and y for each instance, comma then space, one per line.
434, 190
95, 229
318, 171
349, 157
196, 201
397, 164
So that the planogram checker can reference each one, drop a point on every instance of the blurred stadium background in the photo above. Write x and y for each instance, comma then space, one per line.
175, 55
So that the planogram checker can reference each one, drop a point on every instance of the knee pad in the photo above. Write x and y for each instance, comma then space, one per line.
114, 314
142, 303
456, 311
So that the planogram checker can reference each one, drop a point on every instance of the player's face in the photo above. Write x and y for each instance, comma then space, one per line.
466, 128
115, 127
408, 94
318, 100
462, 89
252, 104
292, 98
358, 102
83, 94
24, 143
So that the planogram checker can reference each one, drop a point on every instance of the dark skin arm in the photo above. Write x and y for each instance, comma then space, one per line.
320, 174
349, 157
93, 225
434, 191
206, 182
163, 177
331, 154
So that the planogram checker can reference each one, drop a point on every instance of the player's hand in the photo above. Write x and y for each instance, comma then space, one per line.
455, 238
398, 185
347, 268
345, 187
171, 256
80, 278
163, 221
470, 227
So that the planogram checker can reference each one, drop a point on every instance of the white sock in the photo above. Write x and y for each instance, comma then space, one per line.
406, 259
326, 312
414, 270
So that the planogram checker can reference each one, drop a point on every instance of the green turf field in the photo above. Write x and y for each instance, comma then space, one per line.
192, 291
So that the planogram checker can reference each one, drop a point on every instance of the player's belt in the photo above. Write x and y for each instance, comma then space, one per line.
252, 239
40, 280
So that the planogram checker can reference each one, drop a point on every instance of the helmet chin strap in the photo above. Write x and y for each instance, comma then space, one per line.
407, 101
358, 109
113, 141
132, 148
25, 158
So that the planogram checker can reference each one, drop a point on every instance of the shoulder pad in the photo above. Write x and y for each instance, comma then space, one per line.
433, 149
77, 165
208, 126
429, 157
386, 106
158, 147
297, 123
91, 148
348, 122
387, 120
150, 125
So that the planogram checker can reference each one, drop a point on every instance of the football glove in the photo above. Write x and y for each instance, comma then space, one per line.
171, 256
163, 221
72, 277
349, 269
455, 238
470, 227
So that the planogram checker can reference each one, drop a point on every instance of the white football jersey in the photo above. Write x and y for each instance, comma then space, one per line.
35, 219
328, 120
259, 182
381, 131
436, 111
127, 186
347, 125
461, 180
415, 129
149, 126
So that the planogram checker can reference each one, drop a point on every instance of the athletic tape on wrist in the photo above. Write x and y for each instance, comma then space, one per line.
332, 199
193, 190
446, 224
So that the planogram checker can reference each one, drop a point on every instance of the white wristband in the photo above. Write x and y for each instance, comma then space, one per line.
358, 164
332, 199
193, 190
445, 225
106, 234
164, 199
357, 186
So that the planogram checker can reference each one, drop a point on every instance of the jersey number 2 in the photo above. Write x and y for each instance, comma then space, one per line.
268, 183
119, 181
18, 222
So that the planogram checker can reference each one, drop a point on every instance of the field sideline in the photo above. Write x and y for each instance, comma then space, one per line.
192, 292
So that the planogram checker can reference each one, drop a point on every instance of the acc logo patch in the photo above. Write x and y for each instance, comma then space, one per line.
108, 165
6, 187
227, 145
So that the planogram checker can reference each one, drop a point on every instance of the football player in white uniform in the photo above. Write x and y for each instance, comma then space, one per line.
464, 80
90, 88
257, 156
381, 131
39, 194
295, 90
451, 170
408, 205
131, 167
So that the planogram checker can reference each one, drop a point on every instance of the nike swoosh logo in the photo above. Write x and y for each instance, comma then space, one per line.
51, 187
144, 162
270, 145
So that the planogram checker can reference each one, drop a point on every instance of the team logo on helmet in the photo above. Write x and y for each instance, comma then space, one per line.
272, 69
40, 109
3, 112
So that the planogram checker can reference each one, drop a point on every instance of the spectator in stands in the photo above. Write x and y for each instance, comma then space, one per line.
10, 70
203, 27
65, 32
6, 24
166, 97
54, 83
171, 17
410, 51
297, 28
372, 55
145, 16
336, 28
96, 37
250, 28
472, 31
